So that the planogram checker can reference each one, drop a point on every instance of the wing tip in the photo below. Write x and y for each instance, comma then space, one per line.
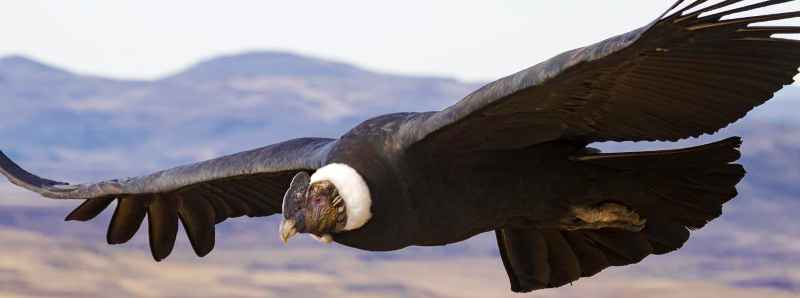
71, 217
21, 177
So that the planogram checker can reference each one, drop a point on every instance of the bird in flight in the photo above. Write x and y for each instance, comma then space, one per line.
511, 157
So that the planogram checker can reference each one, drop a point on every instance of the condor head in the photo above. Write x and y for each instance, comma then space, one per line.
333, 200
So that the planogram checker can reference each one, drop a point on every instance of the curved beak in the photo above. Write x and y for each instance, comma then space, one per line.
287, 230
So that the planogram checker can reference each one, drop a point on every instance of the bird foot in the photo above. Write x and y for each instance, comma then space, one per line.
606, 215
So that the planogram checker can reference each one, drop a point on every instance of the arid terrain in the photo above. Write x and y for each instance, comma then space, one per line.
35, 265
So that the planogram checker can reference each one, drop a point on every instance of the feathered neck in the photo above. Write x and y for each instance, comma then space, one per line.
352, 188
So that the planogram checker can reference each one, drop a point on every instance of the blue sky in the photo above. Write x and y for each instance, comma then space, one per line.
473, 40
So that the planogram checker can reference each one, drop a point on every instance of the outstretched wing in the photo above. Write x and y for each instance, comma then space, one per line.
690, 72
200, 195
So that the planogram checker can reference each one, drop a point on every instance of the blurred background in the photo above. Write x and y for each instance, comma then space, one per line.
99, 89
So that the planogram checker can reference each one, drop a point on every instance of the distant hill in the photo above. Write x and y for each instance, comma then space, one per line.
83, 128
267, 64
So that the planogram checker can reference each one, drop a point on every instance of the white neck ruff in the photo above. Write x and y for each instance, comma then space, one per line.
352, 188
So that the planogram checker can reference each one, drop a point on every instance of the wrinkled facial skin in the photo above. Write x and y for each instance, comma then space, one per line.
317, 209
322, 208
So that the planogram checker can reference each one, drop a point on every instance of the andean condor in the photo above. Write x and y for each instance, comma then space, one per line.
512, 158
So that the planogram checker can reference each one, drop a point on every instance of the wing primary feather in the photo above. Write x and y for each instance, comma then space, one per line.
197, 216
690, 6
719, 15
746, 20
162, 219
694, 14
89, 209
671, 8
126, 220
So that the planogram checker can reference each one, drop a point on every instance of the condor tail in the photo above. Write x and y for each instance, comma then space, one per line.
674, 190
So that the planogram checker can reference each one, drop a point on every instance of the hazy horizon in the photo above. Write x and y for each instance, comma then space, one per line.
142, 40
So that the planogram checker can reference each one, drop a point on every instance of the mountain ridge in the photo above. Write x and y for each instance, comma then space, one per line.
246, 63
